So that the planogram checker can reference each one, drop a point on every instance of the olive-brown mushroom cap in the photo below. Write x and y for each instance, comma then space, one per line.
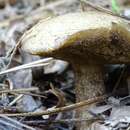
81, 34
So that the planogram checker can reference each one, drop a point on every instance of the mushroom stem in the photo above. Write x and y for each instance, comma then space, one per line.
89, 84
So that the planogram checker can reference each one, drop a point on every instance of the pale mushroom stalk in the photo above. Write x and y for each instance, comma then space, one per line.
87, 40
89, 83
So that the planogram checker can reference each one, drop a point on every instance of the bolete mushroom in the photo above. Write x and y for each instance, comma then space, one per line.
87, 40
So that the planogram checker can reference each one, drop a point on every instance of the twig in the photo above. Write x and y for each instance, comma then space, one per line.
19, 90
24, 91
31, 94
61, 109
11, 54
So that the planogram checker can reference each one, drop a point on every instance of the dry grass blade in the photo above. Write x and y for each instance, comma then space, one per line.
42, 62
23, 91
61, 109
15, 100
31, 94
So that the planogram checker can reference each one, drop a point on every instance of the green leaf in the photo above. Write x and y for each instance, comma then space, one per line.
115, 7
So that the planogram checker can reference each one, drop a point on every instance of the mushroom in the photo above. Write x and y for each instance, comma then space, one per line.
87, 40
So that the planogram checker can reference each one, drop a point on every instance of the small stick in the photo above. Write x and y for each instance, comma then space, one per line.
19, 90
61, 109
31, 94
24, 91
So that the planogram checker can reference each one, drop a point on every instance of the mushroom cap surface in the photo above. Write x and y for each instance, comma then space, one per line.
82, 34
